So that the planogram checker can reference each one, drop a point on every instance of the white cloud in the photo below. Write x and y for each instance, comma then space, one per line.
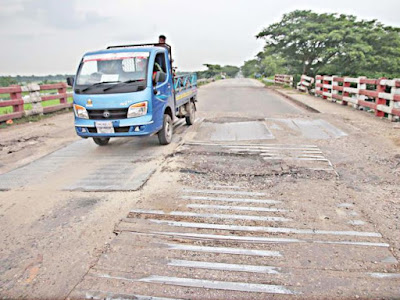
50, 36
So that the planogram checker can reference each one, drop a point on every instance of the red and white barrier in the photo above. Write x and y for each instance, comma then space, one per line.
305, 83
283, 79
381, 95
34, 97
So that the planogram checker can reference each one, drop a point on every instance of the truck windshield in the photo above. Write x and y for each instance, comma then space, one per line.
126, 70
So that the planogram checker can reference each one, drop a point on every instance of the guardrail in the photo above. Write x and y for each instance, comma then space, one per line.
305, 83
283, 79
381, 95
33, 96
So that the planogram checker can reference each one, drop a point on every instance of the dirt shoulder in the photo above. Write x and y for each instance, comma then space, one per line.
23, 143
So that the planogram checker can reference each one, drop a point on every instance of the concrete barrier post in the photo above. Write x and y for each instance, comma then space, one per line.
34, 99
361, 86
380, 88
63, 91
346, 84
335, 91
16, 95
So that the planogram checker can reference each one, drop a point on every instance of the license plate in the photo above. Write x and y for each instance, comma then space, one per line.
104, 127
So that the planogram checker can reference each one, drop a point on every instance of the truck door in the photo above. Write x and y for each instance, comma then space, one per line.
164, 89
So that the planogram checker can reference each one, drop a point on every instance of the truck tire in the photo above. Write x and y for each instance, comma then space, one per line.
165, 134
101, 141
192, 113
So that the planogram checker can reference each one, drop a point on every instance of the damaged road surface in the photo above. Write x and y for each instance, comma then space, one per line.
58, 212
259, 199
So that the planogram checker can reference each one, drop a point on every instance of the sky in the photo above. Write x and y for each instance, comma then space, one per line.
43, 37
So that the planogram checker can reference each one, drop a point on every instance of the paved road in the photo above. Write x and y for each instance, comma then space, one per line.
255, 202
245, 96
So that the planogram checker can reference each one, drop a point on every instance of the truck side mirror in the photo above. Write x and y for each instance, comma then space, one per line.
160, 77
70, 81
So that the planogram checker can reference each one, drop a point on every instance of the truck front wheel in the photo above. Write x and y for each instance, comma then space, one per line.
165, 134
190, 118
101, 141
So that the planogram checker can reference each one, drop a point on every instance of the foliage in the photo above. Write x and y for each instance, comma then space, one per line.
250, 68
21, 79
271, 64
214, 70
305, 42
230, 71
7, 81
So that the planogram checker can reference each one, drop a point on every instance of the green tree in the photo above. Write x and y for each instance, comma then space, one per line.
250, 68
7, 81
212, 70
270, 64
312, 43
230, 71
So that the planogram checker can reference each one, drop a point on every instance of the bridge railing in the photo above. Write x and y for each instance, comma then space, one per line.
28, 100
381, 95
305, 83
283, 79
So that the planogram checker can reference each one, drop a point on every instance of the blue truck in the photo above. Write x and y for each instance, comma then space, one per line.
131, 90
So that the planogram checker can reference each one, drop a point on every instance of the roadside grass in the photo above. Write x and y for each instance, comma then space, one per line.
28, 106
266, 83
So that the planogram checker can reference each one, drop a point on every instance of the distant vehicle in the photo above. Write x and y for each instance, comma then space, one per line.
130, 90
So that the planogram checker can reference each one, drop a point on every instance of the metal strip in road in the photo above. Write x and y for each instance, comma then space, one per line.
224, 250
250, 239
310, 156
385, 275
213, 216
293, 158
265, 229
276, 150
102, 295
263, 201
353, 243
265, 240
218, 285
225, 187
356, 222
223, 267
248, 145
240, 208
296, 147
223, 192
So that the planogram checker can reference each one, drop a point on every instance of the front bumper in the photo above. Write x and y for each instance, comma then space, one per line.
124, 127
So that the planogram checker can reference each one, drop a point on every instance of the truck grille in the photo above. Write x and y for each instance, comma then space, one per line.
108, 114
116, 129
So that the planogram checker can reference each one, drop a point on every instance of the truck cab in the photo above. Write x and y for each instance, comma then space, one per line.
130, 90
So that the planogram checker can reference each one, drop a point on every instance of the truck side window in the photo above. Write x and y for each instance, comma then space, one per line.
159, 64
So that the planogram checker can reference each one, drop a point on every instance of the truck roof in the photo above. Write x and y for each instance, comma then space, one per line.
129, 48
117, 50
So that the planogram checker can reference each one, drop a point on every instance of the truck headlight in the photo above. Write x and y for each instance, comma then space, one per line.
137, 109
80, 112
